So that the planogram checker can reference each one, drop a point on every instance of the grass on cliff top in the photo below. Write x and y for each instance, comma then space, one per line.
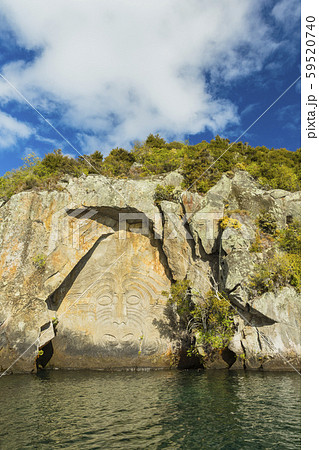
275, 168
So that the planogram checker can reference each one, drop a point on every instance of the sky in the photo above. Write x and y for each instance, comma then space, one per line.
95, 75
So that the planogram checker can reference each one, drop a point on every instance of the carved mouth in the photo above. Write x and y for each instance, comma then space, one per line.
120, 339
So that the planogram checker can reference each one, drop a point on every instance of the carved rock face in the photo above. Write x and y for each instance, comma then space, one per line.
105, 300
114, 300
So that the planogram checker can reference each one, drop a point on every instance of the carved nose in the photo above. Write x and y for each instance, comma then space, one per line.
120, 310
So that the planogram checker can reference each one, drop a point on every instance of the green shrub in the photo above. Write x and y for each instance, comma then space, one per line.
118, 162
202, 165
55, 322
180, 296
274, 273
267, 223
20, 179
164, 193
57, 163
155, 141
228, 222
278, 169
290, 238
207, 318
158, 160
198, 170
213, 322
282, 268
256, 246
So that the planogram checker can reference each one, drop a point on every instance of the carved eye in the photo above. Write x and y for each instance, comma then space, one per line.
133, 299
128, 337
105, 300
110, 339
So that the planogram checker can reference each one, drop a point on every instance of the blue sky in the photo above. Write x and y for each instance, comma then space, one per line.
108, 73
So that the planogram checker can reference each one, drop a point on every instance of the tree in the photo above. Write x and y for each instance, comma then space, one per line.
155, 141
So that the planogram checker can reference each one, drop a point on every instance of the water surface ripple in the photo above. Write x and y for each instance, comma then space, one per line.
137, 410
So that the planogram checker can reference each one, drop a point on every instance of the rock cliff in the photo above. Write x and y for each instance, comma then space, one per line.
97, 254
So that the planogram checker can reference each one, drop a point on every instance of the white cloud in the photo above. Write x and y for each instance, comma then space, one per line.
120, 69
287, 12
249, 108
46, 140
11, 130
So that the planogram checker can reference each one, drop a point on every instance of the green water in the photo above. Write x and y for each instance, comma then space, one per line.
171, 409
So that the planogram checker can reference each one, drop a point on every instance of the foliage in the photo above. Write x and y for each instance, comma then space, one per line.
283, 267
202, 165
155, 141
267, 223
39, 261
295, 264
228, 222
256, 246
38, 174
213, 321
19, 179
241, 212
274, 273
240, 166
157, 160
164, 193
208, 318
57, 163
295, 261
290, 238
266, 231
198, 170
55, 321
180, 296
282, 173
118, 162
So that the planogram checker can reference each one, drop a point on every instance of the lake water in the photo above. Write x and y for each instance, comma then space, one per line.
137, 410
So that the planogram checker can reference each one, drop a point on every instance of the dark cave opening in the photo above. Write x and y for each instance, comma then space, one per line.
44, 355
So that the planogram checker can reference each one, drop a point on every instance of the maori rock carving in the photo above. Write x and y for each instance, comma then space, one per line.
116, 297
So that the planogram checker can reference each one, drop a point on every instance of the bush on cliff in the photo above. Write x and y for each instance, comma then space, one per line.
20, 179
267, 223
274, 273
208, 319
212, 322
202, 165
290, 238
164, 193
283, 267
118, 163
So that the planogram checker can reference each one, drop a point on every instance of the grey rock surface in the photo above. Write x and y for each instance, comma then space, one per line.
49, 242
